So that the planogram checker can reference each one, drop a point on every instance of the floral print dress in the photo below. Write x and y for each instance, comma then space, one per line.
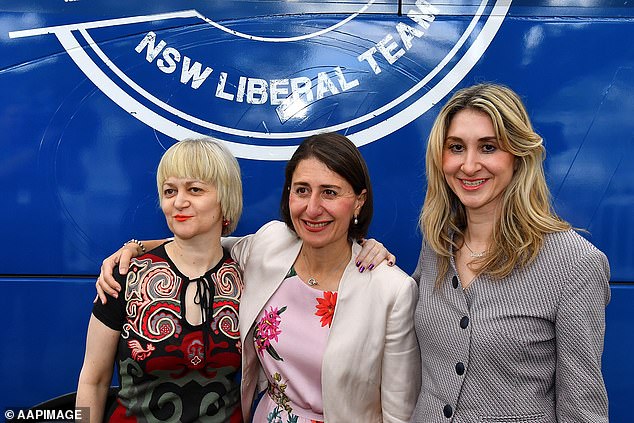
290, 338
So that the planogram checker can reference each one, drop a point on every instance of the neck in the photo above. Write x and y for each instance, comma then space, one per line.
194, 257
325, 258
478, 233
479, 227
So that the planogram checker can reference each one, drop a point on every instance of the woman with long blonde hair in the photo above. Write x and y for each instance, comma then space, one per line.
511, 311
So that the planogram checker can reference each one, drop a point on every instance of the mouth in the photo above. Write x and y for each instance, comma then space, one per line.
472, 183
315, 226
181, 218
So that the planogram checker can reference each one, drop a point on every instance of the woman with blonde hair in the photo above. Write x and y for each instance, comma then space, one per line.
511, 311
173, 331
322, 340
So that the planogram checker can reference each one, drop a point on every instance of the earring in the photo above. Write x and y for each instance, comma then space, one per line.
355, 221
225, 222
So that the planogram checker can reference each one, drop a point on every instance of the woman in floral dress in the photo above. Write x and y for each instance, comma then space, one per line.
332, 343
322, 340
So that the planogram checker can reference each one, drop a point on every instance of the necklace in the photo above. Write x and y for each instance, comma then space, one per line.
471, 252
312, 281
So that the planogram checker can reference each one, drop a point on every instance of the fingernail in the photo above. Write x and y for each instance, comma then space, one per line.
370, 267
361, 269
358, 263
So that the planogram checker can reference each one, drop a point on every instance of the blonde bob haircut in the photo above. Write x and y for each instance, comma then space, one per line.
526, 212
209, 161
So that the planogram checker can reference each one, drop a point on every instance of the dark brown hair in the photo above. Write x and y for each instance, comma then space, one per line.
341, 156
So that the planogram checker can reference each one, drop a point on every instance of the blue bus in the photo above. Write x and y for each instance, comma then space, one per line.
95, 91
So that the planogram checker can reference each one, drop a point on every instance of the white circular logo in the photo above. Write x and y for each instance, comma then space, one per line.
263, 84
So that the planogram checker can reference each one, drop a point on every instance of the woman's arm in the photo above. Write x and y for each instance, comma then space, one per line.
106, 284
371, 255
579, 329
96, 373
401, 367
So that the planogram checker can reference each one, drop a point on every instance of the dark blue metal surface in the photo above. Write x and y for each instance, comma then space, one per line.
87, 113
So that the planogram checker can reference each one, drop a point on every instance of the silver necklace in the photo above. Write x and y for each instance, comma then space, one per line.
312, 281
471, 252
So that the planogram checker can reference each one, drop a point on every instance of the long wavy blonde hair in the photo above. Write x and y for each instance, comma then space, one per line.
526, 213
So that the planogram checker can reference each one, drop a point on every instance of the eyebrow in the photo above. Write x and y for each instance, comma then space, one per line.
483, 139
321, 186
188, 182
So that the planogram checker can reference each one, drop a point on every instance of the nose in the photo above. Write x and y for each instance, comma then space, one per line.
471, 163
181, 200
314, 208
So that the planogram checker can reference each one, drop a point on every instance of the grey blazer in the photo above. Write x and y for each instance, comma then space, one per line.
526, 348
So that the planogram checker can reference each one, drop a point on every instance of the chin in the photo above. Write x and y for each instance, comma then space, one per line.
310, 240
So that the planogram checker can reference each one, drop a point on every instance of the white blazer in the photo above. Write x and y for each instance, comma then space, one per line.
371, 365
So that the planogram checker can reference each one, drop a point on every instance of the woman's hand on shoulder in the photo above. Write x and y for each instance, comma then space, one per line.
372, 254
106, 282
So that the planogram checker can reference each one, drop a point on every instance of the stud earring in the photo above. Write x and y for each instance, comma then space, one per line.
355, 221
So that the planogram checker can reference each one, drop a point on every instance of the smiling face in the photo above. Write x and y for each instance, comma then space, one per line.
475, 167
322, 204
191, 208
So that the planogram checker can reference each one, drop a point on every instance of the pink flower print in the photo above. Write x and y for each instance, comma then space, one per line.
267, 330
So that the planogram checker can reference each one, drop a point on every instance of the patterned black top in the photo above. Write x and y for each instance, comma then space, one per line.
170, 370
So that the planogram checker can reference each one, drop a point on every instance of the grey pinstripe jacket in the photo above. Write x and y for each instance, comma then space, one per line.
523, 349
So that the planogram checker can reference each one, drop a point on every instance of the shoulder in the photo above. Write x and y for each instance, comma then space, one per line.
571, 262
228, 264
275, 228
143, 269
570, 247
274, 231
392, 280
155, 257
157, 254
391, 272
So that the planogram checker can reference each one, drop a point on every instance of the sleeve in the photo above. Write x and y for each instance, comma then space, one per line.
112, 314
419, 267
240, 247
401, 367
228, 242
579, 330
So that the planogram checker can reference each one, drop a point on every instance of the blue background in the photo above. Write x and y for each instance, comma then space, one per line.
78, 171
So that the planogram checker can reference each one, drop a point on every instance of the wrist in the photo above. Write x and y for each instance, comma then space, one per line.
140, 248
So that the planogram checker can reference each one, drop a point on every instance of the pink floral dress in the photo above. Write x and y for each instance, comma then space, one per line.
290, 338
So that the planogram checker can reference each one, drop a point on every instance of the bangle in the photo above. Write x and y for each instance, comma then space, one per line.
137, 242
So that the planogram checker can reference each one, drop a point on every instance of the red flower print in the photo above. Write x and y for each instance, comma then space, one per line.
326, 307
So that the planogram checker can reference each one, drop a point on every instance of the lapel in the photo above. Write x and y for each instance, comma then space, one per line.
352, 285
270, 261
